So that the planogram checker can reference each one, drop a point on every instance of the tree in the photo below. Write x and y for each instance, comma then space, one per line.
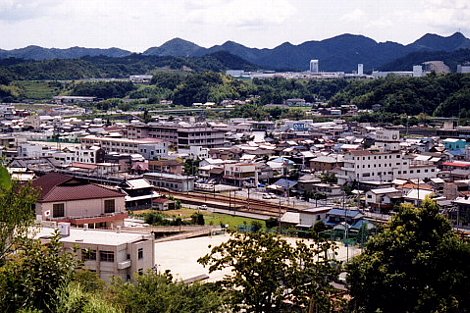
153, 292
16, 213
418, 264
271, 275
34, 273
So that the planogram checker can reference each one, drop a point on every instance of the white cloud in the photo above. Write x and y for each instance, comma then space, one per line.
240, 13
447, 15
18, 10
354, 16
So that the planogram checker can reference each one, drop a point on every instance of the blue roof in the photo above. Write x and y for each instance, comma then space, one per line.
285, 183
360, 223
458, 152
345, 212
282, 160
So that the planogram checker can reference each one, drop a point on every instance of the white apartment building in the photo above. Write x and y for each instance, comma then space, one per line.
366, 165
108, 253
124, 145
184, 135
195, 152
387, 139
240, 174
154, 151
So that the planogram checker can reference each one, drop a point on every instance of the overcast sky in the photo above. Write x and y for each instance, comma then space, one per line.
139, 24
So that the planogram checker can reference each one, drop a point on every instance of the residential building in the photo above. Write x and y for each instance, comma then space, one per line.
175, 167
170, 181
124, 145
182, 134
154, 151
107, 253
140, 194
383, 198
326, 163
309, 217
241, 174
366, 165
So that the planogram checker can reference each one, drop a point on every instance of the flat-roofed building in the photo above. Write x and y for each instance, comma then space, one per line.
108, 253
125, 145
171, 181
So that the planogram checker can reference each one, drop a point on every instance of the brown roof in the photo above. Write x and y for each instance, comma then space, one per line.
165, 163
56, 187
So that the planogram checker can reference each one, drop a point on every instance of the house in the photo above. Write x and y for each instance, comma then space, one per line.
174, 167
107, 253
326, 163
309, 217
163, 204
336, 216
171, 181
241, 174
416, 196
461, 216
454, 144
383, 198
140, 194
63, 198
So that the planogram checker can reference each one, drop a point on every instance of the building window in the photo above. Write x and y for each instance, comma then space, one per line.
109, 206
140, 253
88, 255
58, 210
106, 256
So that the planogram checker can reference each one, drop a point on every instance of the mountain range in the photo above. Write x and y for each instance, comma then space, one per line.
340, 53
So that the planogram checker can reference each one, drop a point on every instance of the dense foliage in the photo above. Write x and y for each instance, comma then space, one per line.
108, 67
104, 90
440, 95
418, 264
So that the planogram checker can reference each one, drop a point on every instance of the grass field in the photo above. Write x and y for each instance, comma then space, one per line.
37, 90
209, 217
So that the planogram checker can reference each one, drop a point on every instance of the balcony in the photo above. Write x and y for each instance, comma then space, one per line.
124, 264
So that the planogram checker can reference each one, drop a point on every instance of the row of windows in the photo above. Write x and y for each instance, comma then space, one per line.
378, 157
399, 172
105, 256
380, 165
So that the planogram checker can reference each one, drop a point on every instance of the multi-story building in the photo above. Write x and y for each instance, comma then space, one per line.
108, 253
170, 181
366, 165
240, 174
125, 145
183, 135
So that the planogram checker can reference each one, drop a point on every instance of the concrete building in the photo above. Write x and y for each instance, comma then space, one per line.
418, 71
463, 69
170, 181
314, 66
387, 139
107, 253
124, 145
183, 135
154, 151
366, 165
241, 174
64, 198
360, 69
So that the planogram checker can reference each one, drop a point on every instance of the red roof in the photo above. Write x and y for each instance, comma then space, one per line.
56, 187
457, 164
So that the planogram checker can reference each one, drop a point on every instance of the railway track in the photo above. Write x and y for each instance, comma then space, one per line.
244, 205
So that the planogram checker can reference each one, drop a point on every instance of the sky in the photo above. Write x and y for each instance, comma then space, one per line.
136, 25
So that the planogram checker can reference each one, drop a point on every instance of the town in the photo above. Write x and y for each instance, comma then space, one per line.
326, 176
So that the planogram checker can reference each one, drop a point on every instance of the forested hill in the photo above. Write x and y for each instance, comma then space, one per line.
450, 58
109, 67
